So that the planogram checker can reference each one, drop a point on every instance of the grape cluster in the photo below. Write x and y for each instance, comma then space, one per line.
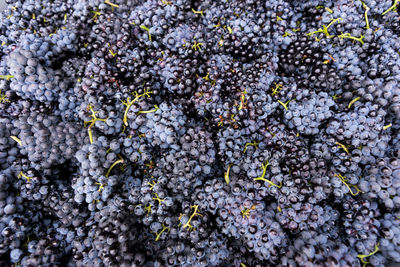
199, 133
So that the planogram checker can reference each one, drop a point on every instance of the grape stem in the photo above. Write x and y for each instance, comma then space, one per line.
6, 77
160, 200
343, 147
349, 186
3, 98
362, 257
143, 27
392, 8
187, 224
128, 103
226, 176
92, 122
198, 12
113, 165
324, 29
387, 126
261, 178
367, 9
111, 4
16, 139
101, 186
255, 144
148, 111
162, 231
21, 174
285, 105
349, 36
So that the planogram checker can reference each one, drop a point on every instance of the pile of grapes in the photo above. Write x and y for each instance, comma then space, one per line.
199, 133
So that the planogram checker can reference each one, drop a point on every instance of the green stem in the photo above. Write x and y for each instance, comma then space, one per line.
6, 77
198, 12
325, 29
226, 176
112, 53
284, 104
143, 27
261, 178
16, 139
349, 186
3, 98
343, 147
362, 257
367, 9
149, 111
255, 144
353, 101
128, 106
113, 165
387, 126
349, 36
162, 231
128, 103
101, 186
160, 200
92, 122
187, 224
392, 8
110, 4
21, 174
